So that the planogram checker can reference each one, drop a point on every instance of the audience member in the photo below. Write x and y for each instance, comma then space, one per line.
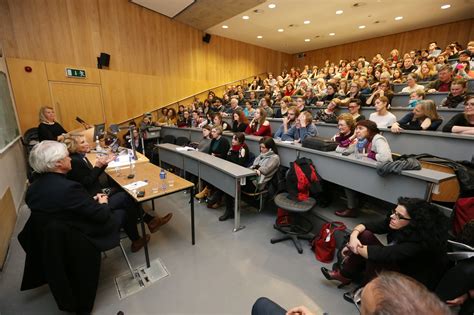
303, 128
443, 83
345, 137
329, 114
423, 117
239, 121
259, 126
412, 86
382, 116
354, 109
462, 123
288, 122
457, 94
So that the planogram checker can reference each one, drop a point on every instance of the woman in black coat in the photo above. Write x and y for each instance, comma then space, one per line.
417, 239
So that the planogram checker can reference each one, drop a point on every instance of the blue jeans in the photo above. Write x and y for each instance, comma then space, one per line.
264, 306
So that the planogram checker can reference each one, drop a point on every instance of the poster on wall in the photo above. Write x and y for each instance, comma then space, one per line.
8, 126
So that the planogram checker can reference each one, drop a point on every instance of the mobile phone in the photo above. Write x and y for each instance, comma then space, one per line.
141, 193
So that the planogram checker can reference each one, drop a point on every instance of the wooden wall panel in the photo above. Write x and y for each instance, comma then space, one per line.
30, 90
138, 40
57, 72
7, 224
461, 31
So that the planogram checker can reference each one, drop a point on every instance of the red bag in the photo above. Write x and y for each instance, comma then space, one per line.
324, 244
463, 213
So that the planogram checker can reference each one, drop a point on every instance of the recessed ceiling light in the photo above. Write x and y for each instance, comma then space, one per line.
225, 26
445, 6
259, 36
281, 30
307, 40
338, 12
332, 34
246, 17
398, 18
307, 22
362, 27
272, 5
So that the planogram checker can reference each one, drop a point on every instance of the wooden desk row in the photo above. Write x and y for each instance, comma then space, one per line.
359, 175
398, 87
220, 173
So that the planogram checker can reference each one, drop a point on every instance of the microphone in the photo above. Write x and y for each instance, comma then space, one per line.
79, 120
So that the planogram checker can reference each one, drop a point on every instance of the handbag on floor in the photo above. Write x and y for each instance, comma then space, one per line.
324, 244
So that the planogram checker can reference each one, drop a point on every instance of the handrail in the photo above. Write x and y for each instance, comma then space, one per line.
191, 96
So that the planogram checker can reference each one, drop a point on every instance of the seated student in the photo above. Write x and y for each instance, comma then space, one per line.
233, 106
259, 126
217, 106
288, 122
164, 116
329, 114
417, 242
49, 128
184, 121
464, 71
94, 180
284, 105
364, 86
239, 121
427, 72
205, 143
457, 94
331, 93
239, 153
265, 103
265, 164
147, 121
382, 117
354, 93
462, 123
137, 141
180, 112
370, 143
309, 98
303, 128
412, 86
219, 147
300, 105
383, 89
423, 117
218, 121
443, 83
249, 110
345, 137
354, 109
456, 287
390, 293
416, 97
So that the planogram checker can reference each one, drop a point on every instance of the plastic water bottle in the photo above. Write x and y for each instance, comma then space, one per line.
163, 179
132, 162
360, 148
97, 144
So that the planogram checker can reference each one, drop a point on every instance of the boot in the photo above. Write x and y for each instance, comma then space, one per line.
138, 244
203, 194
335, 275
228, 214
347, 213
157, 222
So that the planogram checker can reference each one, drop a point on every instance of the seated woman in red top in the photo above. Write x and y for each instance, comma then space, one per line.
259, 126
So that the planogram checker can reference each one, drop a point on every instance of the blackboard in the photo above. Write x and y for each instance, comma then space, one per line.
8, 124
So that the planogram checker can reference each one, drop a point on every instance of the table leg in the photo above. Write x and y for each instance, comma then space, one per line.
191, 200
429, 191
142, 223
237, 226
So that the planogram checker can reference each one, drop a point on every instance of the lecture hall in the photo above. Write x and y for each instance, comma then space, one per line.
260, 157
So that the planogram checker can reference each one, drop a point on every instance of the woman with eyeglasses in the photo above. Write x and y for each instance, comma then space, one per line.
416, 246
462, 123
354, 109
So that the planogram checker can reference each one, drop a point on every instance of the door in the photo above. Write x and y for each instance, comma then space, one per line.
73, 100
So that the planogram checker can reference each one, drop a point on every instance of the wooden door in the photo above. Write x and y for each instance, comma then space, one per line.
72, 99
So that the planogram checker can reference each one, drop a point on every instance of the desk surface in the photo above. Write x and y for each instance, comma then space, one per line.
150, 173
123, 160
227, 167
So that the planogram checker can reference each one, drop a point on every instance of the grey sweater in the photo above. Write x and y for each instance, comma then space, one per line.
267, 164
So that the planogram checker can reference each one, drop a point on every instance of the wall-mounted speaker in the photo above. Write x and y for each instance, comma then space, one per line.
103, 60
206, 38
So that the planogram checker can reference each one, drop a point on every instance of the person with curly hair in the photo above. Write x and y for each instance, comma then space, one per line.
416, 246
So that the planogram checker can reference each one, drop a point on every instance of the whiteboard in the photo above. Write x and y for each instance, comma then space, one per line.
8, 126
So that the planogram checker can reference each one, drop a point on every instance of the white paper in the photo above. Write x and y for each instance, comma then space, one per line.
135, 185
185, 149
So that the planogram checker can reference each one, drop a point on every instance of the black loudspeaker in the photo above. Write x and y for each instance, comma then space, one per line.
103, 60
206, 38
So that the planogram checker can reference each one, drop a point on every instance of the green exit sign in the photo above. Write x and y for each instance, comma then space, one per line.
75, 73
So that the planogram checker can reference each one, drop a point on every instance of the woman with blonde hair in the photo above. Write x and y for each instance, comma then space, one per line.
423, 117
427, 72
49, 128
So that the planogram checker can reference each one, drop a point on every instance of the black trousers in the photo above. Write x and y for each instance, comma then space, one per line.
122, 202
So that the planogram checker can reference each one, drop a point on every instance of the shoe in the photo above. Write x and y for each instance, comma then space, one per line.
335, 275
157, 222
353, 296
347, 213
203, 194
138, 244
215, 205
228, 214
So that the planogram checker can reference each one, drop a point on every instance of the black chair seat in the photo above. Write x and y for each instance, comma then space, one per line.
282, 201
